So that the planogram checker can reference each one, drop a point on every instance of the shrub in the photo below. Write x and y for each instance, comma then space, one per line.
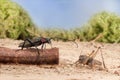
15, 22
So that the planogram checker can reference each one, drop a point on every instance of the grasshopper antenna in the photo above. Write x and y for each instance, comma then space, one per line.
74, 43
103, 59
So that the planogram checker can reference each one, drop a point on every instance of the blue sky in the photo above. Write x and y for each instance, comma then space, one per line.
66, 13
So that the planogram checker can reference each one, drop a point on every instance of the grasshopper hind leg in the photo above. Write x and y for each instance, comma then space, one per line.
25, 42
31, 43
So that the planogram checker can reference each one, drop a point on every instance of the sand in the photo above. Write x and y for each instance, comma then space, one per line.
65, 70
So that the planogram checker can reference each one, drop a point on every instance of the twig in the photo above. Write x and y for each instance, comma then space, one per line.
98, 37
103, 59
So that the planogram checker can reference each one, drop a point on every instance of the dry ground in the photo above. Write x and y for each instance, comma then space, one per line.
64, 71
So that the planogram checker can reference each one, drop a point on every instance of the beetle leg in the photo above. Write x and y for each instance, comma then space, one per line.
33, 45
37, 50
45, 46
28, 41
23, 44
42, 46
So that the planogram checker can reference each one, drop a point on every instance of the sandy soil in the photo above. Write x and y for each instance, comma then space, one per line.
64, 71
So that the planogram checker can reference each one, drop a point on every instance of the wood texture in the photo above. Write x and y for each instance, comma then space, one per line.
29, 56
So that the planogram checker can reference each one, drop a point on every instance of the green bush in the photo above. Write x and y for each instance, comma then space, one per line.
15, 23
107, 24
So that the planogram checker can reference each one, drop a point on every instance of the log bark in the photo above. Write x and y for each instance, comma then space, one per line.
29, 56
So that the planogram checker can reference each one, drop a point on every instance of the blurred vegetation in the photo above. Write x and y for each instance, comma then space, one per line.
102, 27
105, 24
58, 34
15, 23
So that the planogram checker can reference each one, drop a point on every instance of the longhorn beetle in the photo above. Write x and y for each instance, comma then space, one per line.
35, 42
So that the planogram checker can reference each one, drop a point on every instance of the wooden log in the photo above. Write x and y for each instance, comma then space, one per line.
29, 56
